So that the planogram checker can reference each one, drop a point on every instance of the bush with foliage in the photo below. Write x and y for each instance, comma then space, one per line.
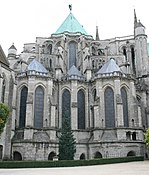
4, 112
67, 142
147, 138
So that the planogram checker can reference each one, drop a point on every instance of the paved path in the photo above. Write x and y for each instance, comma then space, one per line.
133, 168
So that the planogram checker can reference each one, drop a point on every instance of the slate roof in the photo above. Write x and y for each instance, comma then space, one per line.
3, 58
74, 71
71, 25
109, 67
13, 47
36, 66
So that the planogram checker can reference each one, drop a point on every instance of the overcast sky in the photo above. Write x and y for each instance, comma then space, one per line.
21, 21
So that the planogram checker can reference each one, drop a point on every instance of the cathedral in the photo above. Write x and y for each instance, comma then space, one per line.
102, 86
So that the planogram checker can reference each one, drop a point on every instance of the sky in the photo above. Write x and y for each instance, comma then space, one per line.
24, 20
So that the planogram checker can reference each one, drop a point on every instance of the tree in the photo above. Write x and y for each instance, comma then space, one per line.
4, 112
147, 138
67, 142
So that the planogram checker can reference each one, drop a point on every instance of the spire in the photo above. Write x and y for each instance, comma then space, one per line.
135, 16
97, 34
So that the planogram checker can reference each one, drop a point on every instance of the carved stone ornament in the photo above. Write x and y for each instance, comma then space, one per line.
30, 97
118, 99
74, 104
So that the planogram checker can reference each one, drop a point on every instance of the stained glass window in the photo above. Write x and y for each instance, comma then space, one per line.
39, 107
109, 108
81, 109
125, 106
72, 54
23, 99
66, 107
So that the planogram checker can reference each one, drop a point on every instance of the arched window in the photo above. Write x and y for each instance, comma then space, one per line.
134, 137
39, 107
93, 64
72, 54
23, 99
3, 90
82, 156
125, 106
17, 156
98, 155
51, 155
50, 62
131, 153
133, 60
81, 109
124, 52
94, 95
93, 51
50, 49
109, 108
66, 105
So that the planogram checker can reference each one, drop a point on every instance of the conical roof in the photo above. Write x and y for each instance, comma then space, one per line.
36, 66
109, 67
71, 25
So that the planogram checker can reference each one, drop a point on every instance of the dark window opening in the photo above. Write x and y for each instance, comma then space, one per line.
72, 54
131, 153
109, 108
1, 152
39, 107
51, 155
17, 156
128, 135
82, 156
66, 106
134, 136
23, 99
3, 90
133, 60
81, 109
125, 106
98, 155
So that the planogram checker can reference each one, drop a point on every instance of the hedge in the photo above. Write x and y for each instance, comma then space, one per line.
66, 163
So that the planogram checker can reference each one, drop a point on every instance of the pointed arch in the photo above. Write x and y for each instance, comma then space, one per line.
39, 107
82, 156
51, 155
66, 105
17, 156
72, 53
97, 155
81, 109
109, 107
125, 106
23, 99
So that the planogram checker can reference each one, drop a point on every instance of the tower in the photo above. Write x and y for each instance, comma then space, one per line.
141, 48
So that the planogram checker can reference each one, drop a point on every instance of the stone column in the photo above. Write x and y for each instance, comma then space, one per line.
29, 109
100, 117
119, 121
74, 110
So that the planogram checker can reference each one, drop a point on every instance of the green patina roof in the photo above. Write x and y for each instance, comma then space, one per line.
71, 25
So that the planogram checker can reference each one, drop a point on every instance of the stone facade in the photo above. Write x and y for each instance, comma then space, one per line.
102, 85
